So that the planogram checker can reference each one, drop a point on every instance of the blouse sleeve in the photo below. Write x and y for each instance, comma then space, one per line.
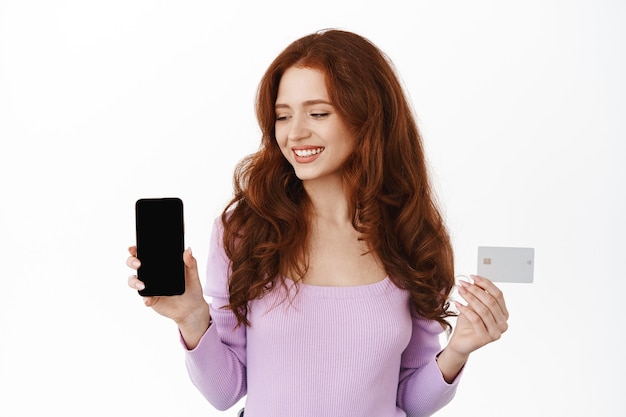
422, 390
217, 366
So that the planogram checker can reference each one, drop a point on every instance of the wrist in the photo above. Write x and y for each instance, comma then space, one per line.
193, 326
451, 363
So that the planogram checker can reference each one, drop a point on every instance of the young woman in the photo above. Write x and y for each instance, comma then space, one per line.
330, 270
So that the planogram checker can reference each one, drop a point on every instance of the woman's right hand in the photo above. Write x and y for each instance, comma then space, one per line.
189, 310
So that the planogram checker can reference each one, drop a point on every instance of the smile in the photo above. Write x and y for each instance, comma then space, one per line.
303, 153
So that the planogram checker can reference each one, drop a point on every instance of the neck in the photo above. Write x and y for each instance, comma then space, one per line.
329, 200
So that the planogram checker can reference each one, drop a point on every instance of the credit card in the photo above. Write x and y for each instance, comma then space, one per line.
506, 264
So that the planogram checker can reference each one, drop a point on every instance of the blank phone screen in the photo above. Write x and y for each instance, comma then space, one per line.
160, 246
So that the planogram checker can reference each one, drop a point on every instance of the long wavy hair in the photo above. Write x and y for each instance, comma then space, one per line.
266, 224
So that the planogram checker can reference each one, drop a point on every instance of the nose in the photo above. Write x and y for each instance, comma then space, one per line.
298, 128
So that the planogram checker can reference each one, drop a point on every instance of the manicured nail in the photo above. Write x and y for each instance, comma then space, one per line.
140, 286
135, 264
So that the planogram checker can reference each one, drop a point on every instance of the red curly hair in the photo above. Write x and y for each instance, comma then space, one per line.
266, 223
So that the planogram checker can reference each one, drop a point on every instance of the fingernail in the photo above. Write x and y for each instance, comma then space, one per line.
459, 304
135, 264
140, 286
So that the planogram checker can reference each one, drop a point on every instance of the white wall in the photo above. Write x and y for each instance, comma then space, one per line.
521, 105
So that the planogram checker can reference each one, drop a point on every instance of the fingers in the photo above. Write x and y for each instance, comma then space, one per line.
476, 322
151, 301
191, 274
135, 283
485, 306
190, 261
191, 266
488, 294
491, 289
133, 262
477, 313
192, 278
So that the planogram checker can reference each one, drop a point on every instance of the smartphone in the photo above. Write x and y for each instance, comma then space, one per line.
160, 245
506, 264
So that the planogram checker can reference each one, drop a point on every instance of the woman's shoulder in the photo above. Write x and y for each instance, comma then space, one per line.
216, 283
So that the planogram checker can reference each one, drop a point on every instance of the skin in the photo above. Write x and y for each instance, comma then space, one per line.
308, 123
306, 120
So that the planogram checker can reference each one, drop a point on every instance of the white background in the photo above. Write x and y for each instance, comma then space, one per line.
521, 105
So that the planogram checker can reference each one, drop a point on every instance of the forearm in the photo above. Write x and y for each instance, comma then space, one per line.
193, 327
217, 362
451, 363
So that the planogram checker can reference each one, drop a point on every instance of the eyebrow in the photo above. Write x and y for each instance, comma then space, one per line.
305, 104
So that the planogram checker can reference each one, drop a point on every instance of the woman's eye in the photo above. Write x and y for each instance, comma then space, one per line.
280, 118
319, 115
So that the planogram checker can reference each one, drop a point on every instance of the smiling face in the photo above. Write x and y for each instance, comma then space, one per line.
311, 135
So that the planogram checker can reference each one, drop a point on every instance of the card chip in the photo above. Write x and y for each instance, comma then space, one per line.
486, 261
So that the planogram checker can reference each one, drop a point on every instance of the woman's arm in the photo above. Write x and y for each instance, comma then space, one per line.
422, 389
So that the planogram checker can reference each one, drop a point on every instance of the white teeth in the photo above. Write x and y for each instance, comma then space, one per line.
307, 152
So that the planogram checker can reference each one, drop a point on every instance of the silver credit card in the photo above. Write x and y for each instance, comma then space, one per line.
506, 264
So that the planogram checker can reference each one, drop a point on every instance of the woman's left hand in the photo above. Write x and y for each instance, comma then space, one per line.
482, 320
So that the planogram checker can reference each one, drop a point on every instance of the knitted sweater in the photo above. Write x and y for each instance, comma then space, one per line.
315, 351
